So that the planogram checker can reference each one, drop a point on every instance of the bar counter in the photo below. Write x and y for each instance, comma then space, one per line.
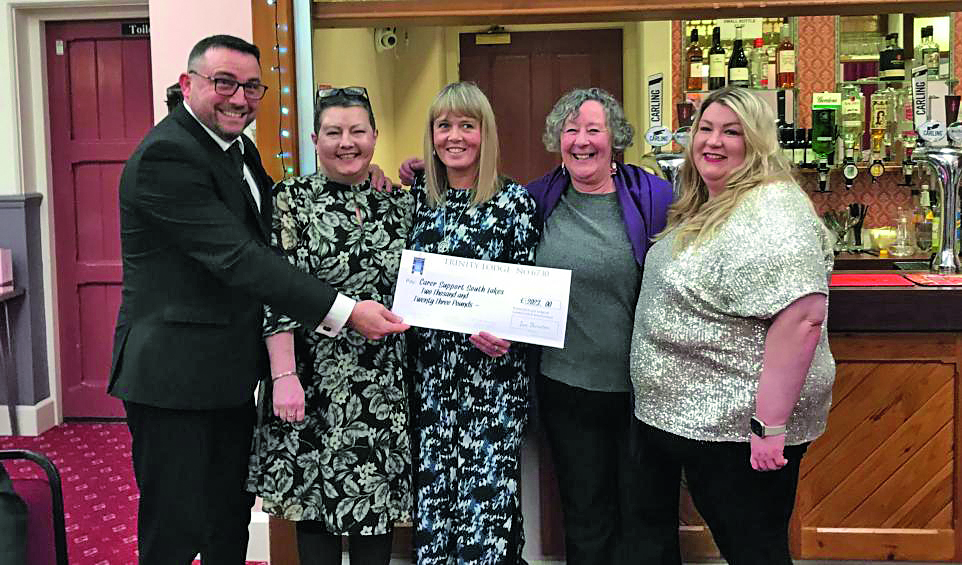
885, 480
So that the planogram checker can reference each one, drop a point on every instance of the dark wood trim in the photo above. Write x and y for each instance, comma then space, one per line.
283, 542
360, 13
269, 117
957, 479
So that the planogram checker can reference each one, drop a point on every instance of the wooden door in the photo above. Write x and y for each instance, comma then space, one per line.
99, 93
524, 79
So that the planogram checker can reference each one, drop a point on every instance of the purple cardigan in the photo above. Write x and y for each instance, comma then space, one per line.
644, 202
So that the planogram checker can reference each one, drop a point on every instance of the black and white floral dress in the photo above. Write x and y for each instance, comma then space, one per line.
348, 463
472, 409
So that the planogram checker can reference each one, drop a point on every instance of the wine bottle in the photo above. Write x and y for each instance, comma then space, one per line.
785, 57
716, 61
738, 62
695, 59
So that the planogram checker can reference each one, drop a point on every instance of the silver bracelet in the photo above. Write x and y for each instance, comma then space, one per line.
284, 374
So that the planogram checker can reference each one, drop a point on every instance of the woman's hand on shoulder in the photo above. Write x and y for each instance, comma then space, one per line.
409, 169
379, 181
490, 345
768, 453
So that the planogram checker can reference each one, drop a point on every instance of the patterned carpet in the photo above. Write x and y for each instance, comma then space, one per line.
100, 495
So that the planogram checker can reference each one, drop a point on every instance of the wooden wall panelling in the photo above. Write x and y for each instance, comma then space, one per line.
880, 483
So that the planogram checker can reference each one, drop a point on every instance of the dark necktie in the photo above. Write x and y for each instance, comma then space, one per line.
234, 151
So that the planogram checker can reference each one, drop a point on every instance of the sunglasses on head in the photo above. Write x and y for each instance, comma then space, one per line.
359, 91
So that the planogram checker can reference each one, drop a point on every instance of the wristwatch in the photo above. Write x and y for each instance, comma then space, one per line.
761, 430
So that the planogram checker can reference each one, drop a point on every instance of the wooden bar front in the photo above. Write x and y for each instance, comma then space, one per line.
883, 483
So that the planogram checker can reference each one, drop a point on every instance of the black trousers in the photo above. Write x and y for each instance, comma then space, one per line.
589, 433
747, 511
191, 468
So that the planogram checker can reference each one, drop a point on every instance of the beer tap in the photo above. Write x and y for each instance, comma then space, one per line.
945, 164
670, 163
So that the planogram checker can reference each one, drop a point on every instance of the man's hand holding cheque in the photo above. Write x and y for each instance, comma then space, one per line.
513, 302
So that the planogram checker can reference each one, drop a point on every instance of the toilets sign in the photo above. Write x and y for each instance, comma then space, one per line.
135, 29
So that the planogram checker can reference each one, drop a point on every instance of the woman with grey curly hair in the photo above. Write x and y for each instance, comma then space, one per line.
599, 217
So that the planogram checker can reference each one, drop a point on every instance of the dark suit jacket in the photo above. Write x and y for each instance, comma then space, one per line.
197, 271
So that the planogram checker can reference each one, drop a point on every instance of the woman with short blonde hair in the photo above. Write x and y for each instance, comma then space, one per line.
472, 391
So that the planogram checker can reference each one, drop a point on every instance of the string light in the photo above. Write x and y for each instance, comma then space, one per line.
282, 73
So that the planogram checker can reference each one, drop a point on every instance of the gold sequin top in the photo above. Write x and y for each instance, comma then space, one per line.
703, 315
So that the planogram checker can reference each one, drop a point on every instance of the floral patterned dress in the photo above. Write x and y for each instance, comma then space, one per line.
348, 463
472, 409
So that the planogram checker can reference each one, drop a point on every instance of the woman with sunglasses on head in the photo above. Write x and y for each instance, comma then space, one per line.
332, 449
471, 391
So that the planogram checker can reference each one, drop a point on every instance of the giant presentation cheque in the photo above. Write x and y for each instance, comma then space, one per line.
513, 302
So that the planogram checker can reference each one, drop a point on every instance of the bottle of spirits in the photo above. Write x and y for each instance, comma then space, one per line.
759, 65
785, 57
772, 64
716, 61
852, 127
738, 62
892, 129
907, 134
929, 53
694, 62
853, 121
891, 62
881, 108
823, 142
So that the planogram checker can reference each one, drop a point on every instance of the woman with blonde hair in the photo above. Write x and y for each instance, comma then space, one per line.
471, 391
731, 370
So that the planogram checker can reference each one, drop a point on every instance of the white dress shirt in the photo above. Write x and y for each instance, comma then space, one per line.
341, 310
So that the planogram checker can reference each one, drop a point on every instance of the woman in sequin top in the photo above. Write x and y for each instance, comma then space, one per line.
730, 364
332, 448
471, 391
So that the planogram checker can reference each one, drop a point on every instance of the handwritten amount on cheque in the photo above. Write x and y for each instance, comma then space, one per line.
447, 294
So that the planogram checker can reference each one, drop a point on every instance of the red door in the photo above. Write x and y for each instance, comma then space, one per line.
523, 80
99, 93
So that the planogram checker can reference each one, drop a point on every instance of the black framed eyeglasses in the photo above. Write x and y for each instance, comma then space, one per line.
228, 86
358, 91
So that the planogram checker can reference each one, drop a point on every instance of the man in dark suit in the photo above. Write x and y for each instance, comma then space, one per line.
195, 209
